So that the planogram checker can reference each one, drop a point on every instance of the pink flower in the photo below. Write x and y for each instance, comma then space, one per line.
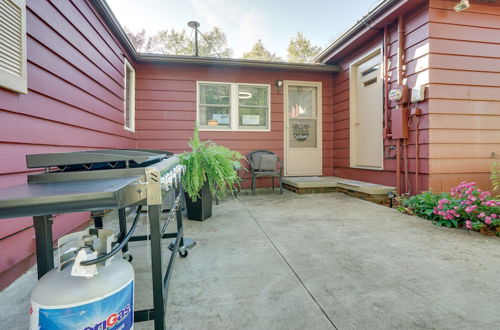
481, 215
440, 206
493, 215
468, 224
456, 207
487, 220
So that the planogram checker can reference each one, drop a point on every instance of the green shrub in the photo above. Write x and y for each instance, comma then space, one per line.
422, 205
465, 206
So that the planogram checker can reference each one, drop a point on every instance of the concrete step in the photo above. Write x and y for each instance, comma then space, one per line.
317, 184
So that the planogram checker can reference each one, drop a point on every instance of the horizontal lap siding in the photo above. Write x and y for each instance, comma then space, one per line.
417, 73
74, 102
166, 108
465, 93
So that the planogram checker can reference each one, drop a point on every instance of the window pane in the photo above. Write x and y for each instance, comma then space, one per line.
215, 117
301, 101
215, 94
253, 95
302, 133
252, 118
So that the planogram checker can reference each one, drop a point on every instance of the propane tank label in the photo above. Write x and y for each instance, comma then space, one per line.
114, 312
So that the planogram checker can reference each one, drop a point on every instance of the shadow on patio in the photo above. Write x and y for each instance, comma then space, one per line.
320, 261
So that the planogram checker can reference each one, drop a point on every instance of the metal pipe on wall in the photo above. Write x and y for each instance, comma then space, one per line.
417, 167
401, 76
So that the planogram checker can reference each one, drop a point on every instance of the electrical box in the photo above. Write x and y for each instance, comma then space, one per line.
399, 94
418, 93
399, 123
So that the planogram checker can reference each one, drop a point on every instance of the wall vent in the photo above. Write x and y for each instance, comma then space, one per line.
11, 38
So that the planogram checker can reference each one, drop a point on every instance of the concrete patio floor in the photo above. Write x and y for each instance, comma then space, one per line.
320, 261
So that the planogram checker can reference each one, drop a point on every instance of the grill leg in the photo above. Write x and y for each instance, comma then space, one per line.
178, 213
122, 219
44, 250
154, 214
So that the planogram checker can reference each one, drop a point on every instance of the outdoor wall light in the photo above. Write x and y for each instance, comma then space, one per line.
279, 85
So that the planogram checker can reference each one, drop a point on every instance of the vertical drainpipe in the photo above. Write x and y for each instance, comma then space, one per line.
401, 74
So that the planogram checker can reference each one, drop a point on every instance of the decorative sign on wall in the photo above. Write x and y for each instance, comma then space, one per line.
300, 131
251, 120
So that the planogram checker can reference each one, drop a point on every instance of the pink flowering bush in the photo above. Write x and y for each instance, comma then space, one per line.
469, 207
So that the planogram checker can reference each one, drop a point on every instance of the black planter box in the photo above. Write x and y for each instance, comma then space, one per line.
202, 208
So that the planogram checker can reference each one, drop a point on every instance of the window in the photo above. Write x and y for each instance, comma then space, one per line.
13, 45
231, 106
129, 103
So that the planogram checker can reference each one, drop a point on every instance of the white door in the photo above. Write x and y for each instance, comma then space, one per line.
303, 147
367, 112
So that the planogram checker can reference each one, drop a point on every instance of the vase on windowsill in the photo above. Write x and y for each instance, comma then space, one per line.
209, 172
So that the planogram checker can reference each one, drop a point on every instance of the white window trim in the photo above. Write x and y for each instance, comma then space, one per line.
353, 106
127, 65
233, 108
11, 81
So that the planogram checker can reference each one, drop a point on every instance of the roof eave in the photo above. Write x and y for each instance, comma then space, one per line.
107, 14
229, 62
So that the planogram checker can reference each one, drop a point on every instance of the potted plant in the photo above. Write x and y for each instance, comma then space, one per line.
210, 171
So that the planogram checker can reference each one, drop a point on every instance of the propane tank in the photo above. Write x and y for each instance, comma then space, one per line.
94, 297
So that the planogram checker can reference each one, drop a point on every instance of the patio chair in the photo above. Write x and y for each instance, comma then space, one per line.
265, 163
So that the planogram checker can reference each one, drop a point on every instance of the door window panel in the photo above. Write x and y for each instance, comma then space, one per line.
302, 101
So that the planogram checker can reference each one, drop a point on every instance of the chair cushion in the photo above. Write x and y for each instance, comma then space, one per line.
268, 162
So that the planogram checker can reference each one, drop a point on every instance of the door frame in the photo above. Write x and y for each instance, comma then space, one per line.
353, 104
319, 105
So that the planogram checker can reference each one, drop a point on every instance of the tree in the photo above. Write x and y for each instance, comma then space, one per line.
259, 52
171, 42
300, 49
140, 40
213, 44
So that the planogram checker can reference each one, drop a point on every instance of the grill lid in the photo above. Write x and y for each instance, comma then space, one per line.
97, 159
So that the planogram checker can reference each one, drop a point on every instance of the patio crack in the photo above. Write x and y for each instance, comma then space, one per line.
290, 267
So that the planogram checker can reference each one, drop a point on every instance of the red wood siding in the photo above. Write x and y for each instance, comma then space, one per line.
417, 72
74, 102
464, 91
166, 108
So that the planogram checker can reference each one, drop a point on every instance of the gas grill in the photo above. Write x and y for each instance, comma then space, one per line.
100, 180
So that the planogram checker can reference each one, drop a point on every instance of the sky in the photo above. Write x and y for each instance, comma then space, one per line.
275, 22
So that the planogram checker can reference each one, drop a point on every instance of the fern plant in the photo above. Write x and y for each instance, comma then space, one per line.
210, 162
495, 178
